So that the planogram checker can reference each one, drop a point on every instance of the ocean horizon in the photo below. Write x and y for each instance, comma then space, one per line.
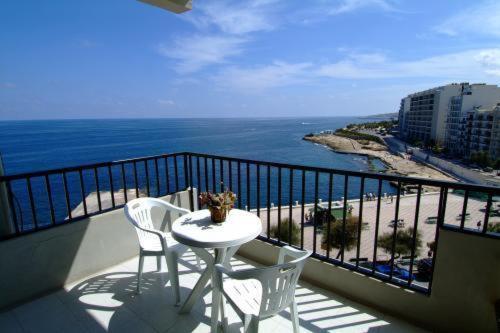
28, 146
33, 145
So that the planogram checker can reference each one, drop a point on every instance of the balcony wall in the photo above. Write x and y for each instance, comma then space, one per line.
38, 263
465, 288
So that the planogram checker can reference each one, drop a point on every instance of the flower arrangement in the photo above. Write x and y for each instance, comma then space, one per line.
219, 204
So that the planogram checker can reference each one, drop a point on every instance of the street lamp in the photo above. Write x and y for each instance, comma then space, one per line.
176, 6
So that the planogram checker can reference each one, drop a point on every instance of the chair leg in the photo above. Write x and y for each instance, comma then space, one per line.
173, 273
139, 272
295, 317
158, 263
198, 264
251, 324
224, 319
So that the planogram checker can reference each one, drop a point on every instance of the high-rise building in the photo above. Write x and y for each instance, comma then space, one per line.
433, 115
495, 134
480, 132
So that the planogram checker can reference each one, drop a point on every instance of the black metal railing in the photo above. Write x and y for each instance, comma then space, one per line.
381, 225
44, 199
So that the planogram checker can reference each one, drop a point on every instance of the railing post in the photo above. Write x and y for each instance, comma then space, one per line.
6, 220
189, 180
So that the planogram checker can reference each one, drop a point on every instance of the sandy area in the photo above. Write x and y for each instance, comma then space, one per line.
396, 164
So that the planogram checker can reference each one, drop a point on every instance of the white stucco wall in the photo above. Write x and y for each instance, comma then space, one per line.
37, 263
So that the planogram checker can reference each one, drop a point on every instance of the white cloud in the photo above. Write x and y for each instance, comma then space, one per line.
258, 79
466, 65
347, 6
167, 102
225, 27
8, 85
195, 52
484, 19
86, 44
240, 17
473, 65
233, 22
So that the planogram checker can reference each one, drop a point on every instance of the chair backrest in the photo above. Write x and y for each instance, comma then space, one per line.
138, 212
279, 282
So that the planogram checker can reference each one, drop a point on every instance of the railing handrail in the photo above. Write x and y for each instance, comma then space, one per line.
39, 173
366, 174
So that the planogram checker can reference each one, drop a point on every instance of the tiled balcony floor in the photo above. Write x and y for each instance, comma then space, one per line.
106, 302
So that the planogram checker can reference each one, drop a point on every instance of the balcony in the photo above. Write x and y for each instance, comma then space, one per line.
107, 302
448, 264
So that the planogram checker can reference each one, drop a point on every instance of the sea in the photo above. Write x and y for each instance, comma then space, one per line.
27, 146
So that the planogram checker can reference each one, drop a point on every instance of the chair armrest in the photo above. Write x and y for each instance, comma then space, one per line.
172, 207
179, 210
291, 252
242, 274
160, 234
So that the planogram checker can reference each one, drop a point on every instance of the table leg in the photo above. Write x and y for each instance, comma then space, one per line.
222, 256
216, 295
197, 291
229, 254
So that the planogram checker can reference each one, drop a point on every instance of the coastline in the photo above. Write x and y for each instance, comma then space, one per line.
396, 164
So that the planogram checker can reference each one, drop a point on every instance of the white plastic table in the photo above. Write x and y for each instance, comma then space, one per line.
197, 230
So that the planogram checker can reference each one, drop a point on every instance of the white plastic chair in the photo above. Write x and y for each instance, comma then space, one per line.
259, 293
153, 242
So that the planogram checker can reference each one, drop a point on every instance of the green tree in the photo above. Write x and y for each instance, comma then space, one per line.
494, 227
404, 242
338, 237
284, 231
481, 158
323, 216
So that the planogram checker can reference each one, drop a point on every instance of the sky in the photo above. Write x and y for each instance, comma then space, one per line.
64, 59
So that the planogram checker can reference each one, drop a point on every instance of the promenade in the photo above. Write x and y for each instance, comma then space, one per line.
425, 226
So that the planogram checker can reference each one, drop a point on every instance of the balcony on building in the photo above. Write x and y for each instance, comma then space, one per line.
416, 255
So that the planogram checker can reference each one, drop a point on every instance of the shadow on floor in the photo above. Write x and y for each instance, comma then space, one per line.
108, 303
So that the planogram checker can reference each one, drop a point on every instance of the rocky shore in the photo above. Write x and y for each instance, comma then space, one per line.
397, 164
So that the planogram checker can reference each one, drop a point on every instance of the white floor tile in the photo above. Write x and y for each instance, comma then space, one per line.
107, 302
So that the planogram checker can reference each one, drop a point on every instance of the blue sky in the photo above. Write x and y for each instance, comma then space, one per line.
262, 58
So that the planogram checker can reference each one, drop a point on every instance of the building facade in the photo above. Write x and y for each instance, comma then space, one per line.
494, 148
436, 115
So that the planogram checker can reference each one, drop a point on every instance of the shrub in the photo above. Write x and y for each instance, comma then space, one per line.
494, 227
322, 217
404, 242
481, 158
284, 231
349, 237
358, 136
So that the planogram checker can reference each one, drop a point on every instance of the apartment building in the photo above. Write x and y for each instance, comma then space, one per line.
433, 115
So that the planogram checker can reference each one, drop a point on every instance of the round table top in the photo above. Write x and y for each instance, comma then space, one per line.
197, 229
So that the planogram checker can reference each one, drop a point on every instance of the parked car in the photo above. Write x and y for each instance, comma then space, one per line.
424, 268
398, 272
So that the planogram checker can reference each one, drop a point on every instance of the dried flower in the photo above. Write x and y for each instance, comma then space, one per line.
226, 198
